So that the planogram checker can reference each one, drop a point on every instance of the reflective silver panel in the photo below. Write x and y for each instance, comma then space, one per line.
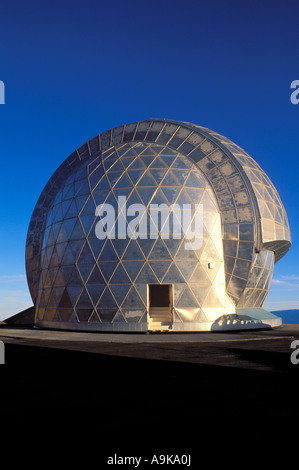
75, 277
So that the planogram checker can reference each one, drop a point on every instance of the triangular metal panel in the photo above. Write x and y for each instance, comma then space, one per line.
119, 292
171, 194
106, 314
59, 281
108, 253
213, 300
147, 180
77, 232
187, 299
96, 176
133, 268
133, 252
54, 259
142, 291
95, 291
65, 314
52, 300
173, 275
119, 318
159, 251
69, 226
123, 182
170, 180
96, 277
146, 275
120, 276
195, 195
208, 203
88, 223
89, 207
107, 300
135, 175
107, 268
65, 205
86, 256
96, 246
132, 301
56, 228
84, 300
160, 268
178, 291
94, 318
146, 194
200, 276
186, 268
159, 198
199, 291
137, 165
65, 301
62, 236
84, 314
58, 291
85, 270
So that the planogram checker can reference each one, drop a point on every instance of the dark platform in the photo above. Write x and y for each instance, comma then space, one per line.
208, 394
267, 349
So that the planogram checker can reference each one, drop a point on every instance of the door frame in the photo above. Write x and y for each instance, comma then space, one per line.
171, 295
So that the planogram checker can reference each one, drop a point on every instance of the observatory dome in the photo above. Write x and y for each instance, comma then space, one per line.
156, 225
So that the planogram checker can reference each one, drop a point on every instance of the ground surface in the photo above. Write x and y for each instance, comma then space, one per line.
91, 395
259, 349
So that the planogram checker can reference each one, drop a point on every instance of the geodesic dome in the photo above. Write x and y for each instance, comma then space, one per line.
122, 283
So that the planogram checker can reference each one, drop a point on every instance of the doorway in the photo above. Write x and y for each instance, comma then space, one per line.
160, 302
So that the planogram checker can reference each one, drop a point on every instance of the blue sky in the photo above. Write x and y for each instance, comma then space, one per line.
75, 69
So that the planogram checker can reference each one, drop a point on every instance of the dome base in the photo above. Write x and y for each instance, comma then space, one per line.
243, 319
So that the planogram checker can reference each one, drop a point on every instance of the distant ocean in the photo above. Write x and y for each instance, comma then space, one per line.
288, 316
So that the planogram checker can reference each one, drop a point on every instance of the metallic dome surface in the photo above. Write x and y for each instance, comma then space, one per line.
146, 283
